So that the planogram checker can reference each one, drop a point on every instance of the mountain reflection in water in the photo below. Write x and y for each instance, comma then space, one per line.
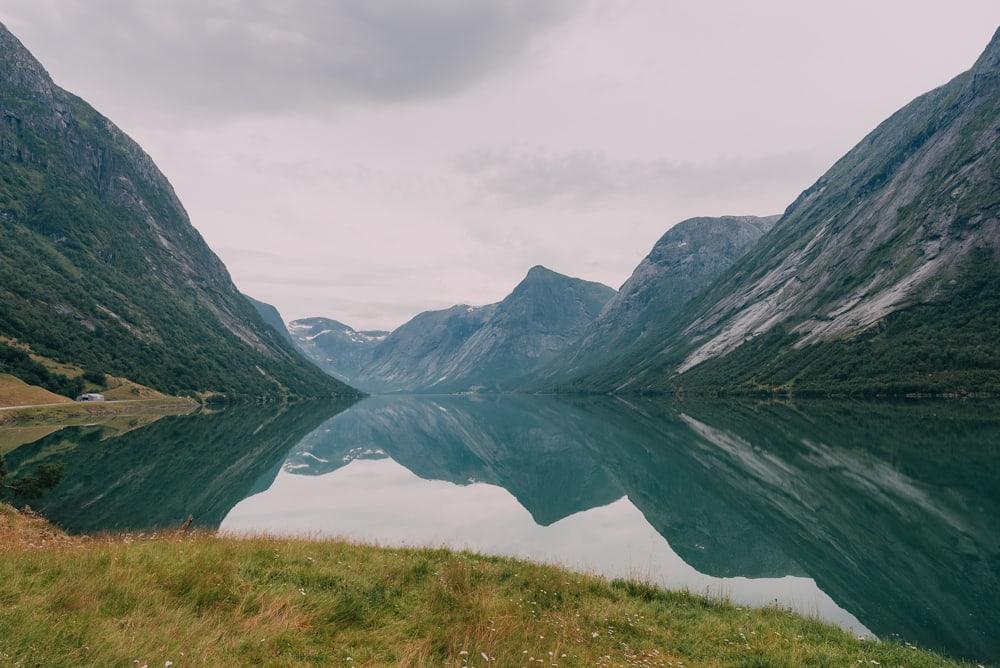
877, 516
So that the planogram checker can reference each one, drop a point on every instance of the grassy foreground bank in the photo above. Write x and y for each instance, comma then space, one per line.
179, 600
68, 414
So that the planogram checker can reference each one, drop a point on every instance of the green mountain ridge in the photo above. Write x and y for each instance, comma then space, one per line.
100, 265
881, 278
272, 317
681, 264
487, 348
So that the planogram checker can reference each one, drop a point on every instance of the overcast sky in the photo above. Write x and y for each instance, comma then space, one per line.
366, 160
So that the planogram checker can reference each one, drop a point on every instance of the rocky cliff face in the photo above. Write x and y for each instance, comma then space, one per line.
416, 355
894, 250
546, 313
338, 349
100, 265
488, 348
685, 260
882, 228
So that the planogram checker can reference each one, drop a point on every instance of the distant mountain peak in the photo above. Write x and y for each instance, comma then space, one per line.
989, 62
338, 349
20, 71
15, 56
473, 348
540, 275
541, 270
683, 262
880, 278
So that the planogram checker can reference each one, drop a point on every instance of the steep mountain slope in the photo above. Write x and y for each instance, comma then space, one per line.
685, 260
465, 349
336, 348
416, 354
100, 266
883, 277
272, 317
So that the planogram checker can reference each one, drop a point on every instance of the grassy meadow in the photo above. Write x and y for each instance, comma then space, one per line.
207, 600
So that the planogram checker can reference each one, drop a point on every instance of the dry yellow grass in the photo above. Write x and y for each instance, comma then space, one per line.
205, 600
73, 413
124, 389
117, 388
15, 392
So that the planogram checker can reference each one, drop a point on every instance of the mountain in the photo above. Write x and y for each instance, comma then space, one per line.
272, 317
336, 348
685, 260
100, 265
419, 352
881, 278
490, 348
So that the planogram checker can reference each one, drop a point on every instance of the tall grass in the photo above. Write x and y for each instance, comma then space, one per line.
209, 600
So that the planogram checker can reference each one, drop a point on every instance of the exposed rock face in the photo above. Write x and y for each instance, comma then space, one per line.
878, 231
336, 348
420, 351
685, 260
100, 265
487, 348
905, 222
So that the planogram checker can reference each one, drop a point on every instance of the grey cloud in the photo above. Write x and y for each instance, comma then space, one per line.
225, 57
514, 179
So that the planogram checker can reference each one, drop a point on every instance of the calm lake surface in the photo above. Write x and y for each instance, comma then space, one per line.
881, 518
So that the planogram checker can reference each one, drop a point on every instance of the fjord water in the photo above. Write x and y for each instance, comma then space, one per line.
882, 518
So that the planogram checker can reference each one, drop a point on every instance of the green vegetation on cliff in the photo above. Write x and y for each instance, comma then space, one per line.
100, 266
881, 278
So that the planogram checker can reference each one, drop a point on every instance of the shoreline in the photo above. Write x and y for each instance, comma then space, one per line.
194, 598
41, 414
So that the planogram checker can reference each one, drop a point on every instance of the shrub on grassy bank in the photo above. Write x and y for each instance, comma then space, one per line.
19, 364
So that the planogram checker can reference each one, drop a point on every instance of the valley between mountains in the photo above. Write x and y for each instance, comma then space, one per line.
881, 279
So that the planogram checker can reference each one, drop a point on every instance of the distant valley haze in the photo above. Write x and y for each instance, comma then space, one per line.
367, 161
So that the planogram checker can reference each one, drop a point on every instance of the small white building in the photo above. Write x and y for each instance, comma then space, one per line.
90, 396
